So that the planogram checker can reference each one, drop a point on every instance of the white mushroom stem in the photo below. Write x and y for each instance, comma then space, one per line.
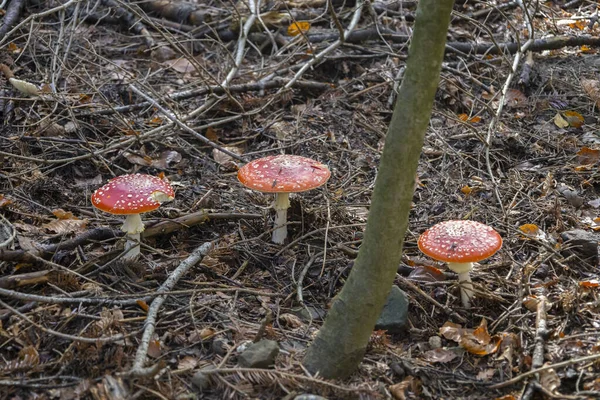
281, 205
464, 278
132, 226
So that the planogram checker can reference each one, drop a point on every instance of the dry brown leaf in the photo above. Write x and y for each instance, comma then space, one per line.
199, 335
440, 355
62, 214
515, 99
451, 331
166, 160
560, 121
290, 320
62, 226
154, 348
187, 362
574, 119
226, 160
591, 87
182, 65
549, 380
398, 390
588, 156
426, 273
486, 374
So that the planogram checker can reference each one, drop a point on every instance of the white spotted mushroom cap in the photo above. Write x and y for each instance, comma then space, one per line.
283, 174
132, 194
460, 241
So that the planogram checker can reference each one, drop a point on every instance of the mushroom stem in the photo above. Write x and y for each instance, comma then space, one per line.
132, 247
281, 205
133, 226
464, 278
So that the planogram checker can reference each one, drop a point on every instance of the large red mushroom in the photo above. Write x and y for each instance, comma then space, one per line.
282, 175
132, 195
460, 244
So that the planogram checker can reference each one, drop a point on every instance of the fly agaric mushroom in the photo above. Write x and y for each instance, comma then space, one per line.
460, 244
132, 195
282, 175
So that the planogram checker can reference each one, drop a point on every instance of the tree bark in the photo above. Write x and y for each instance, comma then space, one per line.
341, 343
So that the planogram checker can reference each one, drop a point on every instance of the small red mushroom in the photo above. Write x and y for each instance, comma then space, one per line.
132, 195
460, 244
282, 175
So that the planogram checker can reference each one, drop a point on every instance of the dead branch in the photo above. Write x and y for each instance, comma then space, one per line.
142, 353
104, 233
108, 339
29, 278
13, 12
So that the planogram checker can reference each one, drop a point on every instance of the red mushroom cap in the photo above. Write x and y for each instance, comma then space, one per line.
460, 241
132, 194
283, 174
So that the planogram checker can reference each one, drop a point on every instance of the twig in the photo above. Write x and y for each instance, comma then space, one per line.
316, 59
11, 16
142, 353
544, 368
496, 118
109, 339
124, 300
171, 116
4, 38
433, 301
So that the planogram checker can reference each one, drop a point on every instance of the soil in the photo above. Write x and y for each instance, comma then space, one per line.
109, 78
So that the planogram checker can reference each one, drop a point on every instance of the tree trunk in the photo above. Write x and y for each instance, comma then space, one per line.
341, 343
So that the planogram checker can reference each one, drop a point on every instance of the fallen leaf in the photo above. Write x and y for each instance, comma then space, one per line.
154, 348
507, 397
296, 28
451, 331
515, 99
573, 118
182, 65
4, 202
486, 374
591, 87
594, 203
426, 273
290, 320
587, 156
62, 214
549, 380
439, 355
24, 87
143, 305
592, 283
410, 383
560, 121
226, 160
62, 226
187, 362
167, 159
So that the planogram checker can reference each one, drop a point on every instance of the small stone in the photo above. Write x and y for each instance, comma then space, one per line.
309, 397
220, 346
259, 355
582, 243
313, 313
435, 342
394, 316
201, 380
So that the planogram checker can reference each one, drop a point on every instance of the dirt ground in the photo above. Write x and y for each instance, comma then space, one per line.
107, 88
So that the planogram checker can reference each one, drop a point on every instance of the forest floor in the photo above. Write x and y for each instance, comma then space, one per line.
77, 113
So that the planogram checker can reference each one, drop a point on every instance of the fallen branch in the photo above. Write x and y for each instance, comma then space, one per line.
142, 353
104, 233
13, 12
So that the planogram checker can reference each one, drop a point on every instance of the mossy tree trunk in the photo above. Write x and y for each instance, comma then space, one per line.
341, 343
